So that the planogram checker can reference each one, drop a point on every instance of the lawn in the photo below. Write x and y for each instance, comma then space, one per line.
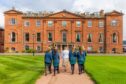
27, 69
20, 69
107, 70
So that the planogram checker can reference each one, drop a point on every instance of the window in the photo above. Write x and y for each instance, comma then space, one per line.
26, 36
89, 23
38, 48
114, 38
49, 36
38, 37
113, 50
101, 37
26, 47
78, 23
64, 39
89, 37
101, 24
50, 23
13, 49
78, 36
26, 23
114, 23
64, 23
90, 49
13, 37
13, 21
101, 49
38, 23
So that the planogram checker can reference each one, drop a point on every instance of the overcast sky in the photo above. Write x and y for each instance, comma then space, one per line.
57, 5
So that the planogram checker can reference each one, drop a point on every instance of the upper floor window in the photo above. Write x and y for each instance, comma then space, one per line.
78, 37
26, 36
89, 23
38, 37
114, 23
26, 23
89, 37
101, 24
78, 23
13, 21
38, 23
49, 36
64, 23
13, 37
50, 23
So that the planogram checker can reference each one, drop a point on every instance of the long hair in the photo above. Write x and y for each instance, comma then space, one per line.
55, 50
81, 49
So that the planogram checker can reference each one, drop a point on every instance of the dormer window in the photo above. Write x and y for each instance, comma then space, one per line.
13, 21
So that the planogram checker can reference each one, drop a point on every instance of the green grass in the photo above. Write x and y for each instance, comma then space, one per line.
20, 69
27, 69
107, 70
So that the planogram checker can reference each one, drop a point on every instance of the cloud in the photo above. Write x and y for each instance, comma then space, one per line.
56, 5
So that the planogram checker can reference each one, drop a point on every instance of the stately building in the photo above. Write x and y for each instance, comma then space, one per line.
1, 40
98, 31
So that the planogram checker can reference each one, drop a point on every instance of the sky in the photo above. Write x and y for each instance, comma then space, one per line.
70, 5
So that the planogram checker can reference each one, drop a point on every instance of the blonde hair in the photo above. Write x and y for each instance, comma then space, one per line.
48, 49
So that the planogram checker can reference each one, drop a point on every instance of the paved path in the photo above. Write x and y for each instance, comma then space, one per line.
65, 78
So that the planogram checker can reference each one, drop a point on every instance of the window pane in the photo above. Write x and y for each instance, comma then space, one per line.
13, 37
101, 37
49, 36
26, 23
89, 23
101, 24
89, 37
64, 23
114, 38
114, 23
78, 23
26, 47
26, 36
13, 21
78, 37
38, 23
38, 37
50, 23
64, 36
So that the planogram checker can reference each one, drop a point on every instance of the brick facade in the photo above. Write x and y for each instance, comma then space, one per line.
71, 29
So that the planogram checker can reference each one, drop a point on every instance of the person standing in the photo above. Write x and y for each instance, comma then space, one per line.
56, 59
72, 58
48, 60
65, 57
81, 59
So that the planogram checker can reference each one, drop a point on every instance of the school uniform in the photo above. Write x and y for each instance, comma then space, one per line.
81, 60
48, 61
56, 59
72, 59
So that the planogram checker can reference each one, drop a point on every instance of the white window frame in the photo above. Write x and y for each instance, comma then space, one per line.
90, 23
78, 23
26, 23
50, 23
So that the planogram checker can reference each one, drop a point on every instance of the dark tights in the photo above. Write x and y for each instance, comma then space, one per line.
81, 68
72, 68
56, 68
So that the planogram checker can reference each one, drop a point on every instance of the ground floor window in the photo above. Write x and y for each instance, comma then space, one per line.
38, 48
114, 50
90, 49
101, 49
13, 49
26, 47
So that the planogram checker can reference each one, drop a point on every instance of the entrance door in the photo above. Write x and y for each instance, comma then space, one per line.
63, 47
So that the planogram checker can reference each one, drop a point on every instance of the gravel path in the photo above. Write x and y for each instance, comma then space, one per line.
65, 78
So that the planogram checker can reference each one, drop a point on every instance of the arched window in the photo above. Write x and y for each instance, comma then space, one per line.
78, 37
89, 37
13, 37
114, 37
